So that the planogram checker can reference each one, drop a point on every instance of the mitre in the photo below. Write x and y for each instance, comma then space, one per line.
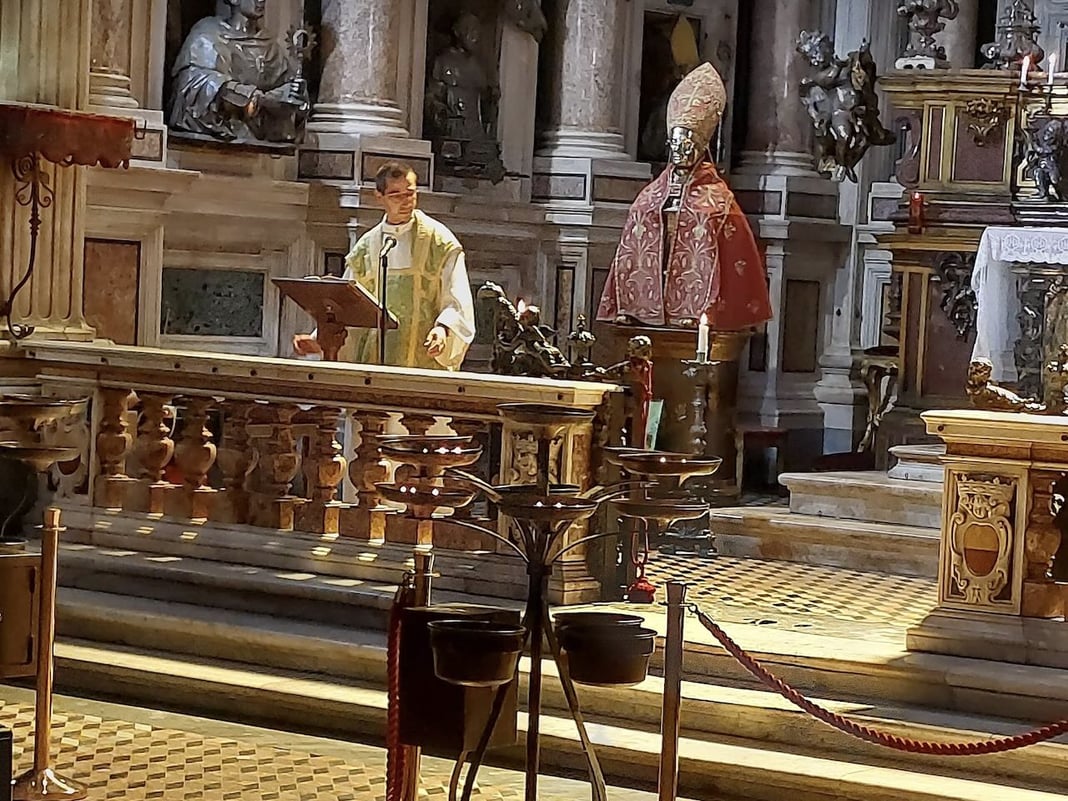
697, 104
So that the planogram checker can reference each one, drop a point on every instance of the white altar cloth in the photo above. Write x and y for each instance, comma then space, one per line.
998, 303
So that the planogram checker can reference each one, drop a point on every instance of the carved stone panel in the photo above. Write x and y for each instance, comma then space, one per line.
980, 539
954, 271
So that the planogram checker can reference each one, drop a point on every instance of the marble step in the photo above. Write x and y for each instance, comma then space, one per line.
918, 462
775, 533
294, 595
725, 766
853, 671
865, 496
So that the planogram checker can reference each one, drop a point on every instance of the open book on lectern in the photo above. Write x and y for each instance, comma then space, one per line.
335, 300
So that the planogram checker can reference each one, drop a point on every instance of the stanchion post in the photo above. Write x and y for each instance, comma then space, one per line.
40, 783
423, 579
672, 710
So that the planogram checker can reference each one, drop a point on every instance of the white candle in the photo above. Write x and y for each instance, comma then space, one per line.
702, 338
1024, 68
1052, 69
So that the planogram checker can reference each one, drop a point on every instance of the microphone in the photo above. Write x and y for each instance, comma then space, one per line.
388, 243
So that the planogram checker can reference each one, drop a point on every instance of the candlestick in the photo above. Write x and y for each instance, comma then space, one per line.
702, 339
1024, 68
916, 216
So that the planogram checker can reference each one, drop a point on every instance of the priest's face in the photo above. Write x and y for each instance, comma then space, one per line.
399, 199
683, 148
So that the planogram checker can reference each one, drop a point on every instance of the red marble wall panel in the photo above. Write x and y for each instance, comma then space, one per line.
112, 280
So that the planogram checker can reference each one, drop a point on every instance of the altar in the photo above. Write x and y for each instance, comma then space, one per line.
1019, 280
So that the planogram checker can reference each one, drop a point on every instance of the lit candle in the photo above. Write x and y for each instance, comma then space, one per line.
1024, 68
1052, 69
521, 306
702, 339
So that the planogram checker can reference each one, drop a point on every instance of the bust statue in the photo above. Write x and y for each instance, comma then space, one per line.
686, 249
234, 83
461, 104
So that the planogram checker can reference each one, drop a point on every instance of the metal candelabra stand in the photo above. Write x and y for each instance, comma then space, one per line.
29, 592
616, 649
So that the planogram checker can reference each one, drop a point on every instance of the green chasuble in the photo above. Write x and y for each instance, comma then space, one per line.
413, 294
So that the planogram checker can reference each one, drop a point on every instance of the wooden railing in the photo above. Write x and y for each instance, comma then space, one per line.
260, 448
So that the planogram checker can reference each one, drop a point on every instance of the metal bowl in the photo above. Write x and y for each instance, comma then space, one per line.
475, 653
588, 618
38, 457
662, 463
661, 510
37, 410
423, 454
424, 496
539, 508
608, 656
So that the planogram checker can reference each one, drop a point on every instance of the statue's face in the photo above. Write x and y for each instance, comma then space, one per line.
683, 147
252, 9
399, 199
468, 32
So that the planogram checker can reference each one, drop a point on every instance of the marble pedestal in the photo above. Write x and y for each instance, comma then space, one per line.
996, 596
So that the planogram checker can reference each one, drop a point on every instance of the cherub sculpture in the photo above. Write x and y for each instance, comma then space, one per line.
522, 345
925, 21
840, 98
1047, 147
636, 373
985, 394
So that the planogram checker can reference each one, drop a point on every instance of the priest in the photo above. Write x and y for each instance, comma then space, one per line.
427, 288
687, 250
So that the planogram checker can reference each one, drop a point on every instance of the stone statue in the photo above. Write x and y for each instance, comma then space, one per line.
234, 83
1047, 147
924, 21
985, 394
686, 250
461, 106
527, 16
841, 100
1017, 33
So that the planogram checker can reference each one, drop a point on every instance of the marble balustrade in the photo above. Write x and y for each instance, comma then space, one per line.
280, 446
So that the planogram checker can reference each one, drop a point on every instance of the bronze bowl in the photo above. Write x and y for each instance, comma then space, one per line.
475, 653
536, 508
661, 510
591, 618
424, 496
35, 410
662, 464
429, 456
607, 655
38, 457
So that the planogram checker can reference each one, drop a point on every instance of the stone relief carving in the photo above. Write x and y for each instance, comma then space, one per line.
925, 20
980, 538
984, 393
233, 82
954, 271
461, 103
985, 115
841, 100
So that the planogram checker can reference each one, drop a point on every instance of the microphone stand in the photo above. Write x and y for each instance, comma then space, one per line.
383, 260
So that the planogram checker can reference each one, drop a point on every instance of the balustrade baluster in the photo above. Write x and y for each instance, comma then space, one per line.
113, 441
367, 468
324, 470
237, 459
272, 505
194, 455
153, 449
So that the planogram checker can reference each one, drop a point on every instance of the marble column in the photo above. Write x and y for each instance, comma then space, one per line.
360, 88
44, 52
110, 63
960, 38
779, 134
585, 47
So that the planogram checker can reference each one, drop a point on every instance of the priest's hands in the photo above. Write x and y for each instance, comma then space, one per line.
306, 345
435, 341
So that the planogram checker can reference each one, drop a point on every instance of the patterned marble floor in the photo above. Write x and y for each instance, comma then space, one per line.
805, 598
146, 755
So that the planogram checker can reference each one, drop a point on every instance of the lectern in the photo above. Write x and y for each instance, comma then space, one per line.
336, 305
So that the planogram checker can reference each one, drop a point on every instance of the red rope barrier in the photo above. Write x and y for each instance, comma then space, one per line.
396, 752
993, 745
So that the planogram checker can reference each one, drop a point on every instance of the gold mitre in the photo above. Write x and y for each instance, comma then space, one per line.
697, 103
